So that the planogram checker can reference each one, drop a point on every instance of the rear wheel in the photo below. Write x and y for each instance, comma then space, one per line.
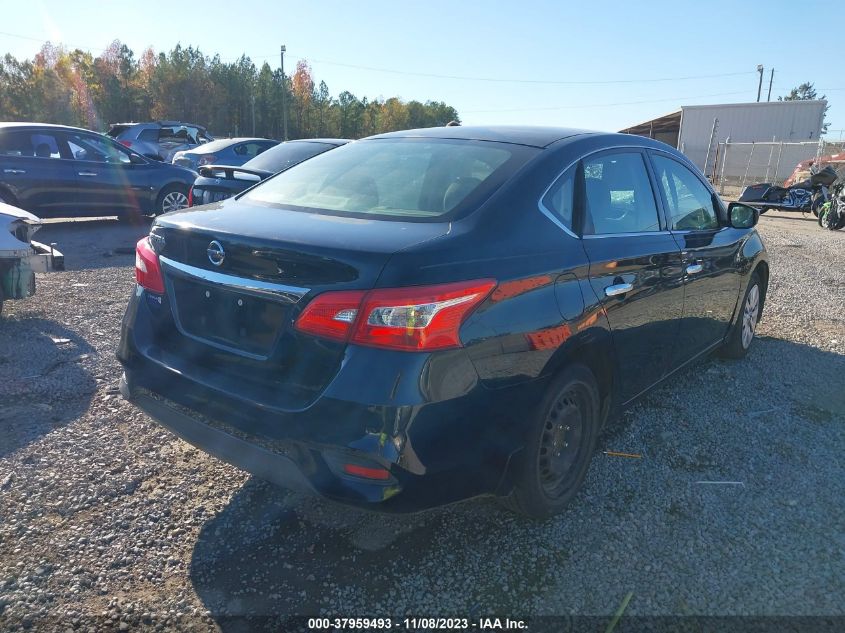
742, 334
559, 446
172, 198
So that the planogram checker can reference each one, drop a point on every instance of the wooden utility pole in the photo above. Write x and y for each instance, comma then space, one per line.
284, 96
771, 79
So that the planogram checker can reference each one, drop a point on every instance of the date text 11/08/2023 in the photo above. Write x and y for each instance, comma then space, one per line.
411, 624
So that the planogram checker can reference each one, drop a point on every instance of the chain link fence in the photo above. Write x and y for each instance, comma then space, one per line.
732, 166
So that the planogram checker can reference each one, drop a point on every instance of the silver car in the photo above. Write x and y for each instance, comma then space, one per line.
159, 139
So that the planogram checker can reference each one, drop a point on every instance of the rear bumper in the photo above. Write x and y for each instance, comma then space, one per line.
439, 433
273, 467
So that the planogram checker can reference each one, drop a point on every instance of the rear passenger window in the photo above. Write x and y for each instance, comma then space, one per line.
617, 196
688, 201
558, 199
31, 144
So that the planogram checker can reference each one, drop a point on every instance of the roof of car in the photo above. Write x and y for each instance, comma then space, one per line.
328, 141
12, 124
534, 136
167, 123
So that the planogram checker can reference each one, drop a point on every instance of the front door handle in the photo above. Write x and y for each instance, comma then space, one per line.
87, 173
694, 269
14, 171
618, 289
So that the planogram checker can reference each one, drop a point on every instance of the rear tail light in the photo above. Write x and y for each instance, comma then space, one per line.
191, 197
418, 318
126, 143
206, 159
147, 268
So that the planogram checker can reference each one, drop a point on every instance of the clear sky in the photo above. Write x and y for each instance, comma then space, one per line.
581, 64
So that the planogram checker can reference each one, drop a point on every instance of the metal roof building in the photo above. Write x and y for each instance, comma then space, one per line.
690, 128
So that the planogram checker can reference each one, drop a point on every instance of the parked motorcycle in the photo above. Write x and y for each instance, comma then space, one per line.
805, 196
832, 212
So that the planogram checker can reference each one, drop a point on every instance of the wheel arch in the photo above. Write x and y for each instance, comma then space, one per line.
762, 270
7, 193
594, 350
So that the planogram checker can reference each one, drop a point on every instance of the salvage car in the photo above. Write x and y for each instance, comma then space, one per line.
159, 140
218, 182
429, 315
61, 171
20, 256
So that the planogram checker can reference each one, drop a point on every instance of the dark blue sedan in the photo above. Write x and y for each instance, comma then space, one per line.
57, 171
429, 315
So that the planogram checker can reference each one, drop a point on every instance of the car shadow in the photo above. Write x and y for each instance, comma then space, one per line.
95, 243
45, 381
271, 556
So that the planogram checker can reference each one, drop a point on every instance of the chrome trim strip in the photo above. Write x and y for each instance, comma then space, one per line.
601, 236
553, 218
280, 292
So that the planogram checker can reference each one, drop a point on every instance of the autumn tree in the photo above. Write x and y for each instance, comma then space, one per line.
78, 88
303, 94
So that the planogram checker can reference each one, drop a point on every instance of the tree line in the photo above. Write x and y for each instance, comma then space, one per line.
236, 98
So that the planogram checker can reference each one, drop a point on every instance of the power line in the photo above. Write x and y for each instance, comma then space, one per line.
512, 80
607, 105
524, 81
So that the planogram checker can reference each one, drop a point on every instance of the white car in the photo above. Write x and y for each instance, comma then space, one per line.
20, 256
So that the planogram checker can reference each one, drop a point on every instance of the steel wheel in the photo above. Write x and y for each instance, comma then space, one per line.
560, 439
173, 201
561, 443
750, 315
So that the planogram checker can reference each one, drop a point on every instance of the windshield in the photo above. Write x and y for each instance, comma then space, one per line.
284, 155
409, 178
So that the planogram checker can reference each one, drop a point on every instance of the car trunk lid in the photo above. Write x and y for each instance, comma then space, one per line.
237, 276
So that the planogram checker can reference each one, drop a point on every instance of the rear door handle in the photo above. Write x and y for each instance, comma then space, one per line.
618, 289
87, 173
694, 269
14, 171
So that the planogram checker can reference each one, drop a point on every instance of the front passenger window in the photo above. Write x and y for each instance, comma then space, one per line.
688, 201
617, 196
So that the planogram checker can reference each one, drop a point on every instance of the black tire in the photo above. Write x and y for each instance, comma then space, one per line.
168, 197
559, 445
751, 311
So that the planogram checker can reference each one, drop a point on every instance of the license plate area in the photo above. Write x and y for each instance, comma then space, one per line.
236, 321
208, 196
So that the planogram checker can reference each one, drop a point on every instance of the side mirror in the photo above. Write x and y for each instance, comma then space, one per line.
742, 216
136, 160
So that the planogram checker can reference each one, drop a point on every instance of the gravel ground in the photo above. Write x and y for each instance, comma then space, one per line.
109, 522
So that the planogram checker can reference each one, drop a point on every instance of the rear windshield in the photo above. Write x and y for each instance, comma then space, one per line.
284, 155
407, 178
